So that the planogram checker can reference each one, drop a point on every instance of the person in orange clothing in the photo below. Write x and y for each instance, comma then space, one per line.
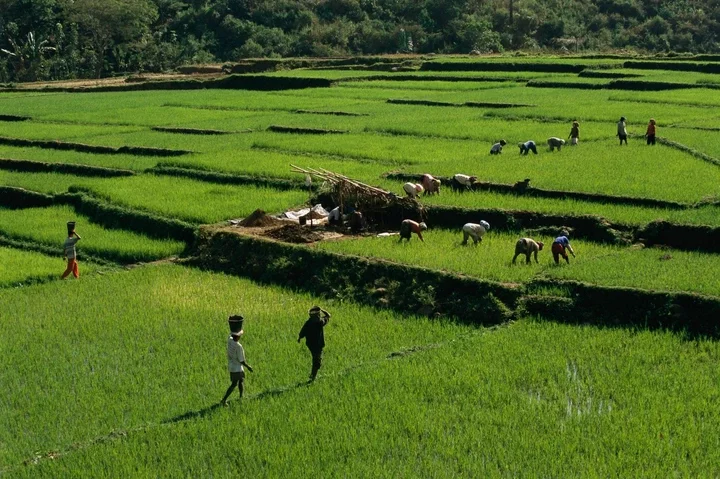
70, 254
408, 227
650, 134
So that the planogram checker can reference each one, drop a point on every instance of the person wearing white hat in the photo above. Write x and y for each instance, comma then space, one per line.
413, 189
313, 332
236, 364
475, 231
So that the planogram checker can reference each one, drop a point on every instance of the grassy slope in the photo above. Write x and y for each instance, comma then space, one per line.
600, 264
17, 266
524, 398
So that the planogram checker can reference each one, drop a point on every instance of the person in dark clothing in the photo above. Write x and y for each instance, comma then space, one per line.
314, 336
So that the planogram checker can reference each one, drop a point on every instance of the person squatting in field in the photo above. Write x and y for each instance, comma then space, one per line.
555, 142
236, 364
71, 254
313, 332
430, 184
408, 227
560, 247
622, 130
528, 247
650, 133
497, 147
527, 146
574, 133
463, 182
475, 231
413, 189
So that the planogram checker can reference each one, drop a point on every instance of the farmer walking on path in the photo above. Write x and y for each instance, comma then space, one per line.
236, 362
314, 336
559, 247
70, 253
574, 133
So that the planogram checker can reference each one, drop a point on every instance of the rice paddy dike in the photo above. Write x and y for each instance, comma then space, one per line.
442, 359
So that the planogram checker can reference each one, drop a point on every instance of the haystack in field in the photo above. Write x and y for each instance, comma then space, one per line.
374, 203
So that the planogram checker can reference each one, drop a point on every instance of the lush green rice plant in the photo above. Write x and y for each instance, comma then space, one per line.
47, 226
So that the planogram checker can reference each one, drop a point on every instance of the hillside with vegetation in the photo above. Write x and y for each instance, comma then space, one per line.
60, 39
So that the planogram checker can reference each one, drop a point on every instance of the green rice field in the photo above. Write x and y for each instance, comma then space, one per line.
120, 373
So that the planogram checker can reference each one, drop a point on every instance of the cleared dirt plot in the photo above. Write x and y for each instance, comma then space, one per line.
47, 226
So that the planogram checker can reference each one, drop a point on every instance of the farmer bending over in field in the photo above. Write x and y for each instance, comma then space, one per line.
431, 184
70, 253
314, 335
622, 130
650, 134
408, 227
475, 231
236, 361
463, 182
527, 146
413, 189
574, 133
527, 246
555, 142
559, 247
497, 147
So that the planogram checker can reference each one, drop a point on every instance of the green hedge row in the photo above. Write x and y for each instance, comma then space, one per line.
674, 66
502, 67
18, 198
385, 284
81, 147
604, 74
694, 314
119, 217
225, 178
400, 77
66, 168
301, 130
519, 189
560, 84
375, 282
473, 104
336, 113
14, 118
190, 131
687, 149
687, 237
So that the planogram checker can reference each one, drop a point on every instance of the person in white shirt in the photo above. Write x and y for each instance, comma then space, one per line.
622, 130
463, 182
236, 362
413, 189
475, 231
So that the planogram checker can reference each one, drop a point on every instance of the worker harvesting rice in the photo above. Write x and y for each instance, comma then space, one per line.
528, 247
497, 147
313, 332
527, 146
560, 247
555, 142
430, 184
413, 189
408, 227
463, 182
476, 231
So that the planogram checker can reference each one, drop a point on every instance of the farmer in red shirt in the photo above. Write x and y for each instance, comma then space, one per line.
408, 227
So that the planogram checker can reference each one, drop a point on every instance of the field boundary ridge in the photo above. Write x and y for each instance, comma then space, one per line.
31, 166
98, 149
180, 170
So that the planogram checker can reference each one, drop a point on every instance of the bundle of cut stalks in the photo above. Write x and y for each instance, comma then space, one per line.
366, 198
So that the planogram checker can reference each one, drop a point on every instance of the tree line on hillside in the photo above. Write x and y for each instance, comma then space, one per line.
59, 39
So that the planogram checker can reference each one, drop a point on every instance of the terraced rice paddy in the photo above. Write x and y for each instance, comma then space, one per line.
118, 374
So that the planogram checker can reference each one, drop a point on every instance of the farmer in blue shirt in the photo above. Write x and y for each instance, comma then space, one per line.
559, 247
